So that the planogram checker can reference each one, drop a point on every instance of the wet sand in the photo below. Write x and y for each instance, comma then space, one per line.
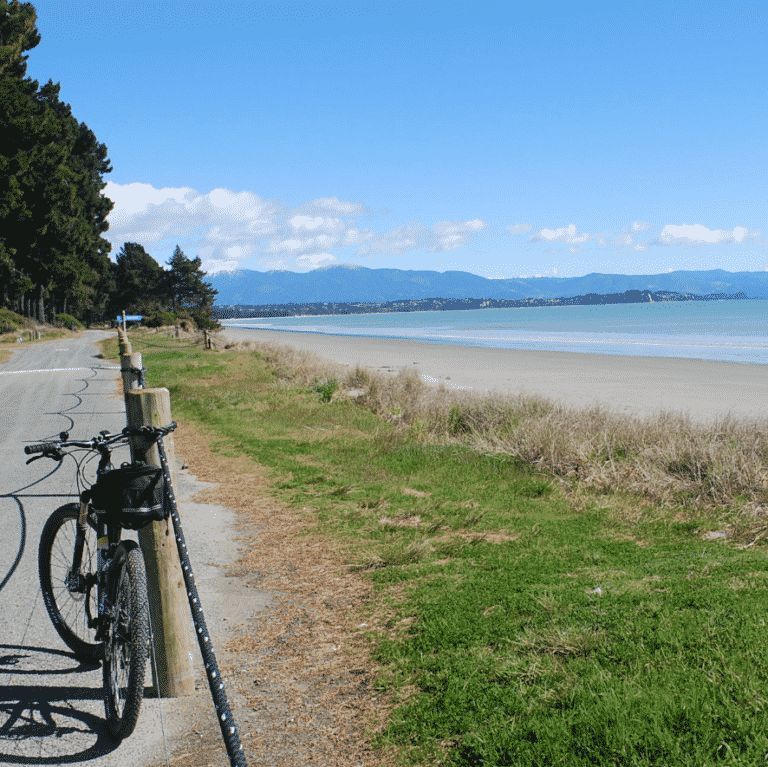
632, 385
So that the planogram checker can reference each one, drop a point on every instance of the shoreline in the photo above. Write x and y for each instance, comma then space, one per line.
483, 308
628, 385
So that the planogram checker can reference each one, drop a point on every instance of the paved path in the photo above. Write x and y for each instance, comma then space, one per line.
51, 706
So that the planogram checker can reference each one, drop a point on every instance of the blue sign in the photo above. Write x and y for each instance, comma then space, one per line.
131, 317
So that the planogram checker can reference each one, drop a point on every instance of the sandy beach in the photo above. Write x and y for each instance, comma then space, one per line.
631, 385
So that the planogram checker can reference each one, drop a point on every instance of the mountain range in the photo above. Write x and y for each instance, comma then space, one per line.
360, 284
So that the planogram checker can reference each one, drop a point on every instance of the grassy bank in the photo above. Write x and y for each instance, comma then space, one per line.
546, 592
15, 330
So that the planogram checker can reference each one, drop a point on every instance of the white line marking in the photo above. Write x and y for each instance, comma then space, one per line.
47, 370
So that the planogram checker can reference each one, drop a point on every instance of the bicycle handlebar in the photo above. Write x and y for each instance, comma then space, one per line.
42, 447
104, 438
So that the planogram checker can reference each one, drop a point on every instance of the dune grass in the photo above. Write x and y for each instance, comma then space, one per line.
546, 589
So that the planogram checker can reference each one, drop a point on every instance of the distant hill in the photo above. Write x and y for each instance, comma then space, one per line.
349, 284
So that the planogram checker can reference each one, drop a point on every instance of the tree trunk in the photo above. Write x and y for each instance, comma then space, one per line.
40, 304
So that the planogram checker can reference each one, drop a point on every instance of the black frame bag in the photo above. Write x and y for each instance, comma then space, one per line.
135, 493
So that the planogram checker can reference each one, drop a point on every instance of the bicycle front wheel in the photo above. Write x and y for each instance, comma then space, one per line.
69, 604
127, 644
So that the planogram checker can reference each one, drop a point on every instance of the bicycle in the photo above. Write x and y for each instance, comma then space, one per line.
81, 548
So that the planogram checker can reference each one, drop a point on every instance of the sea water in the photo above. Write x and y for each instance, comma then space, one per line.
733, 331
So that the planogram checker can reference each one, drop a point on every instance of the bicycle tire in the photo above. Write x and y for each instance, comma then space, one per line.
67, 611
127, 644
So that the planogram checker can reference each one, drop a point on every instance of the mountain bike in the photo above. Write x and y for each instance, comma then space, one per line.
94, 584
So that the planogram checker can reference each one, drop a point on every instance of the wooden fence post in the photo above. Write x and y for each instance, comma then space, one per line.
123, 343
169, 610
129, 363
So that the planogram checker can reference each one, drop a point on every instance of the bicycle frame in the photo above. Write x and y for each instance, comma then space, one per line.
107, 538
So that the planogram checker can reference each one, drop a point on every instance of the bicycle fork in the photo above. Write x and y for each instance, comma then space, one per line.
75, 581
78, 583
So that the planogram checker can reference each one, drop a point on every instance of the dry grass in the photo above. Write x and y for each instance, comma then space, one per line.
13, 340
304, 670
665, 459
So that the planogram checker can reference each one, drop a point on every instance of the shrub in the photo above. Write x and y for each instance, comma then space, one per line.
10, 321
326, 389
66, 320
158, 319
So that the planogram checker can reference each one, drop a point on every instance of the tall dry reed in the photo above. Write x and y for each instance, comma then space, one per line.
667, 458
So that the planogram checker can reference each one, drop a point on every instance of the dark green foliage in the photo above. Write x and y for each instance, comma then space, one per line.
52, 210
326, 389
53, 258
184, 280
159, 318
67, 320
139, 282
17, 35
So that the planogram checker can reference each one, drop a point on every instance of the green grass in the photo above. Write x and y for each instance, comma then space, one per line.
569, 635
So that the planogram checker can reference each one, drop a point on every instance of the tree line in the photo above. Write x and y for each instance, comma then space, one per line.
53, 257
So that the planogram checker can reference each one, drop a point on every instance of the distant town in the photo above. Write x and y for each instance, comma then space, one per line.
237, 311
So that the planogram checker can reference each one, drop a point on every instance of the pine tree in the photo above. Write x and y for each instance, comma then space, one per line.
186, 289
140, 284
52, 212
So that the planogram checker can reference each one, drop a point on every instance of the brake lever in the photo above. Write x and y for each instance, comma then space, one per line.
55, 454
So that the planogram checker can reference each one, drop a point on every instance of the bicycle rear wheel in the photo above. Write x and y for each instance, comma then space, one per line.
69, 607
127, 644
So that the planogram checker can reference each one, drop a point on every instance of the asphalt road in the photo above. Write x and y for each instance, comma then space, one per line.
51, 706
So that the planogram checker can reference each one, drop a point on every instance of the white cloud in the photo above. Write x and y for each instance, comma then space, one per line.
297, 222
447, 235
226, 227
396, 242
357, 236
133, 198
444, 235
565, 234
520, 229
220, 218
691, 235
315, 260
299, 246
333, 205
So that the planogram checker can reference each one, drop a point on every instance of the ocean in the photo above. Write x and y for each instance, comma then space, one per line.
732, 331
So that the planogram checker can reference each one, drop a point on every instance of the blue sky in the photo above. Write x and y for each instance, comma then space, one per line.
504, 139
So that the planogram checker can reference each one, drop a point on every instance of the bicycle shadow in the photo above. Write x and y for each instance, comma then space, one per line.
44, 723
